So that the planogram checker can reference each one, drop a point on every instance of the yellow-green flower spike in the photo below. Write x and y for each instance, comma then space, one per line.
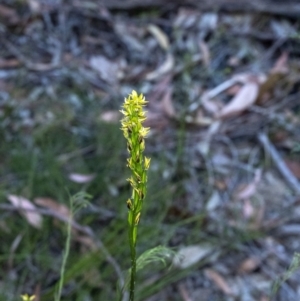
135, 134
27, 297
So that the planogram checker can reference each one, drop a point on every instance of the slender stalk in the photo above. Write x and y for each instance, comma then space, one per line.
135, 133
66, 255
133, 266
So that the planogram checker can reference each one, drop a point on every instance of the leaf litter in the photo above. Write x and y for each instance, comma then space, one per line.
216, 82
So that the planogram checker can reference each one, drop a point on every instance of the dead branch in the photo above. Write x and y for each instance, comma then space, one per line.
290, 9
278, 161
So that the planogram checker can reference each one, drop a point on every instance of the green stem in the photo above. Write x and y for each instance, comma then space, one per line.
65, 256
133, 274
135, 133
132, 239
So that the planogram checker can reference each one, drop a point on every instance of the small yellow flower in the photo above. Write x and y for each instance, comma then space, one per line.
27, 298
129, 204
137, 218
135, 134
144, 131
147, 163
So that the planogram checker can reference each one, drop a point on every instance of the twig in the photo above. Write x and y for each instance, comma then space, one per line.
278, 161
233, 6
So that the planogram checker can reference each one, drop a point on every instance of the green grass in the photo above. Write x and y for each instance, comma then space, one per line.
36, 162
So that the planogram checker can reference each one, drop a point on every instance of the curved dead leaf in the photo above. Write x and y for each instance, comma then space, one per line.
249, 265
27, 209
219, 281
51, 204
160, 36
244, 99
81, 178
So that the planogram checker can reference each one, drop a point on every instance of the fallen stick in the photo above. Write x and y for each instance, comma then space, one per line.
280, 164
289, 9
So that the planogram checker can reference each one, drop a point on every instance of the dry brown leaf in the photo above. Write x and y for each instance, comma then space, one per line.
249, 265
51, 204
212, 106
160, 36
244, 99
81, 178
219, 281
27, 209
